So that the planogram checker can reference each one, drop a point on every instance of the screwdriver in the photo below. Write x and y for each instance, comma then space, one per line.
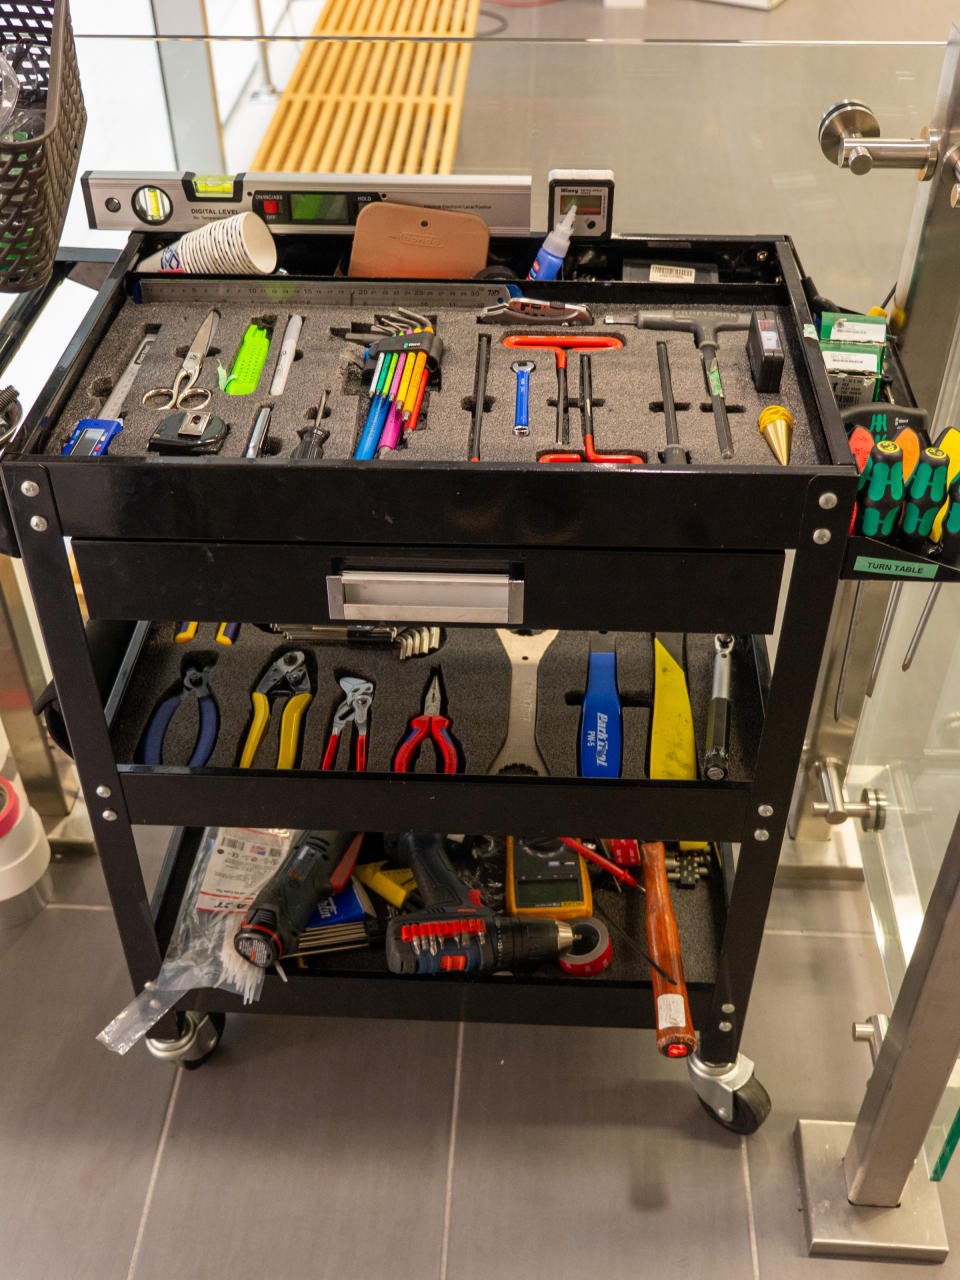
674, 454
949, 555
911, 444
312, 438
949, 442
880, 492
925, 494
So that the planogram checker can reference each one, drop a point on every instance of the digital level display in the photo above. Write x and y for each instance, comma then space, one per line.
317, 206
591, 192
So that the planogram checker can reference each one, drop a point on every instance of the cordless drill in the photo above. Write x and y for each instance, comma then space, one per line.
454, 932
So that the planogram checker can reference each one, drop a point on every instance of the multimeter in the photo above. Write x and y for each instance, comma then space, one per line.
546, 878
91, 437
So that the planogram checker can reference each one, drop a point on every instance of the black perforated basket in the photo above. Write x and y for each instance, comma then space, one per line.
36, 176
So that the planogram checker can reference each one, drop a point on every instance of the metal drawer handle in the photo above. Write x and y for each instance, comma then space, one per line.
373, 596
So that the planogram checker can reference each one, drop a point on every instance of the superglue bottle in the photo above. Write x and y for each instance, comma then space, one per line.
547, 263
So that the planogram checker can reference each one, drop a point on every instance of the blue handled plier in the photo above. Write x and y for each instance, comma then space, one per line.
196, 684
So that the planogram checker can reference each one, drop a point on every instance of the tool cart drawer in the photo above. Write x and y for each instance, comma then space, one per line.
528, 587
425, 492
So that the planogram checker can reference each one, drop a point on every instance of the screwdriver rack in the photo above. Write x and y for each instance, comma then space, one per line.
694, 549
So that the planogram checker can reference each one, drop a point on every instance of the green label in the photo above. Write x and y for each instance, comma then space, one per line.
716, 386
894, 568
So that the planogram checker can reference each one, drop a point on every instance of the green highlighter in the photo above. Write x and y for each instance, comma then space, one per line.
248, 363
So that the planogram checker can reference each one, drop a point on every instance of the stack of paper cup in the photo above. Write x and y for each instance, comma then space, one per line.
237, 246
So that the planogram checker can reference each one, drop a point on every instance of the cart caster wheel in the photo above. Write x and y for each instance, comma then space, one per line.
199, 1035
751, 1106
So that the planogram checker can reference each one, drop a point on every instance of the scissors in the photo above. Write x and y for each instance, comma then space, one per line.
183, 394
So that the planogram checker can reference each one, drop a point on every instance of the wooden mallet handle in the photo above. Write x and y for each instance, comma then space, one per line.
675, 1034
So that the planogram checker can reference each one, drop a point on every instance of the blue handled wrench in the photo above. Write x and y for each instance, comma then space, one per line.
523, 370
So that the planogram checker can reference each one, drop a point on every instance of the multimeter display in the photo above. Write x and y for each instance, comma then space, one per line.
546, 893
546, 878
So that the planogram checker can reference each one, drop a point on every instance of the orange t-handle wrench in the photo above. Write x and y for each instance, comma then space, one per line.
560, 344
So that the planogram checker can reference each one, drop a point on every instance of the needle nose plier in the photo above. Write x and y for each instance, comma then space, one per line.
195, 684
286, 683
430, 724
357, 697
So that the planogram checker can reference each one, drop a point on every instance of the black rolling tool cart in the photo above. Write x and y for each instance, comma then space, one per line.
631, 549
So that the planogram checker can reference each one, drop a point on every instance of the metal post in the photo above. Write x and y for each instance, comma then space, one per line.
926, 311
38, 527
806, 621
188, 81
845, 1191
21, 681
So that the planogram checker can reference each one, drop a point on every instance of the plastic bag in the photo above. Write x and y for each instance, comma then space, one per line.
231, 866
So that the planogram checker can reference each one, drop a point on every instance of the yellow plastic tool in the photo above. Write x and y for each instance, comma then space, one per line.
673, 748
185, 632
394, 884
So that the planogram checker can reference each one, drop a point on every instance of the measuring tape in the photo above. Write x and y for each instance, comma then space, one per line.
591, 951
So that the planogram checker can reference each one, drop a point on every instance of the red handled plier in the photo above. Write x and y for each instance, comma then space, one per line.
355, 707
431, 724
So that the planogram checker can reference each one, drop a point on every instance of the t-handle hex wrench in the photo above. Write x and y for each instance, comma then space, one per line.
560, 344
706, 330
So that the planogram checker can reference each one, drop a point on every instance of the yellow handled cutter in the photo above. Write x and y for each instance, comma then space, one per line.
286, 683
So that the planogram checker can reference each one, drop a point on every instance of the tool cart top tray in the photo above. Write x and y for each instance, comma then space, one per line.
427, 493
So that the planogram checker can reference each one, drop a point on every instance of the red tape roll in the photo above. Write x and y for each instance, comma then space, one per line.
591, 951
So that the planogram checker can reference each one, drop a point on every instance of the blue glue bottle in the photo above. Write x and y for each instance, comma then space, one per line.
549, 260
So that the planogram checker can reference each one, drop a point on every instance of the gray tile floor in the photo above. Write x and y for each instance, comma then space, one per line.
340, 1148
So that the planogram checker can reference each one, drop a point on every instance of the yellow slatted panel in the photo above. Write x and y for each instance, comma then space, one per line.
379, 102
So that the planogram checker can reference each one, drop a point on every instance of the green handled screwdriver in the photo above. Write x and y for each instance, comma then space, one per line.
926, 492
880, 492
949, 554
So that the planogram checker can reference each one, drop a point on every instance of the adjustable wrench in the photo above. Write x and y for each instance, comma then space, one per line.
519, 752
521, 418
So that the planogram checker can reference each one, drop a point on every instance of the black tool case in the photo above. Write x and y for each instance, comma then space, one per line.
626, 549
